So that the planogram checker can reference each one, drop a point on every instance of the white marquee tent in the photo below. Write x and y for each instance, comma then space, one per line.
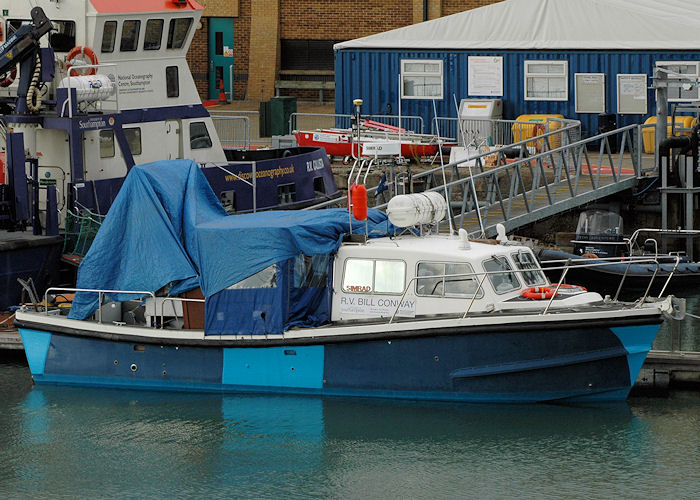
553, 24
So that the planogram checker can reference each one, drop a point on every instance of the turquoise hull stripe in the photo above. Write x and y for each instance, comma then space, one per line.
637, 341
292, 367
36, 347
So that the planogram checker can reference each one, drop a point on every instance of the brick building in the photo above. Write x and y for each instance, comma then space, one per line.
292, 40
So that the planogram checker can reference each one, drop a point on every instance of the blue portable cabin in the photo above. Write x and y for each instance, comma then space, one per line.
608, 37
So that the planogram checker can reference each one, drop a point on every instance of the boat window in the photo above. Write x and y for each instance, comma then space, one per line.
421, 79
199, 136
228, 201
109, 35
445, 279
546, 80
153, 34
504, 281
319, 186
177, 32
172, 81
133, 138
525, 260
286, 193
374, 276
130, 35
311, 271
62, 38
267, 278
389, 276
106, 143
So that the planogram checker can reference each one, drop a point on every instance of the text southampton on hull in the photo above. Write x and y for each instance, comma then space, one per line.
89, 88
287, 303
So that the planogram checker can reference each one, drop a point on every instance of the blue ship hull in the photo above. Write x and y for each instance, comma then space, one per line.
510, 364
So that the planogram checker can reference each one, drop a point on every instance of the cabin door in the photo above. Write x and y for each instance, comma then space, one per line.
220, 55
173, 139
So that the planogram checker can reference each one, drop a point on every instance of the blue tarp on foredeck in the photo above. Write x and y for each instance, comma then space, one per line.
167, 226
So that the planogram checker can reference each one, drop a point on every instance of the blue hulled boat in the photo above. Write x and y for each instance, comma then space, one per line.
314, 302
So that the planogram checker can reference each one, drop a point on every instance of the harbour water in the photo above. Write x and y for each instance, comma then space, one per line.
73, 442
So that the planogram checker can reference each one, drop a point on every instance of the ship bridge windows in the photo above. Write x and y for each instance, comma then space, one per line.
177, 31
172, 81
109, 36
446, 279
502, 281
374, 276
199, 136
130, 35
153, 35
61, 38
133, 138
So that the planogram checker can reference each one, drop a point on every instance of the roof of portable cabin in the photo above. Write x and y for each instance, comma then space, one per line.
127, 6
552, 24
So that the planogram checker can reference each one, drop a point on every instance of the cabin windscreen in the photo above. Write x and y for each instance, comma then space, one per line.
291, 293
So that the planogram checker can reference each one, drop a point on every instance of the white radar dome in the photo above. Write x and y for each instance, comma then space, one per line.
407, 210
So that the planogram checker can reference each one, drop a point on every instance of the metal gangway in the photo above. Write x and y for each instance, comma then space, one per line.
492, 186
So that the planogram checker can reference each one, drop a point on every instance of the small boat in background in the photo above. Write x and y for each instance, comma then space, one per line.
376, 139
602, 257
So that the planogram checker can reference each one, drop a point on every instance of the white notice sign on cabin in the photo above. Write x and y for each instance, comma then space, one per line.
485, 76
373, 306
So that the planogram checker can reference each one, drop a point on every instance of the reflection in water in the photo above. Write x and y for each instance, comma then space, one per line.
78, 442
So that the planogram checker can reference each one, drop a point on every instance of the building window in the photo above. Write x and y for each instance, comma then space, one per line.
199, 136
106, 143
133, 138
445, 279
286, 193
177, 32
109, 35
421, 79
153, 34
130, 35
374, 276
546, 80
172, 81
685, 75
301, 55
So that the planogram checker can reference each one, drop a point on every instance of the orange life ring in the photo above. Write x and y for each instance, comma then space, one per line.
9, 77
566, 289
538, 292
80, 51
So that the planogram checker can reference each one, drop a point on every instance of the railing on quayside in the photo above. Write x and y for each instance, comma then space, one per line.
232, 128
566, 183
313, 121
568, 264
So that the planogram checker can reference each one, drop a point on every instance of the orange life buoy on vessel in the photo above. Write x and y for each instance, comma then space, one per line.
78, 53
8, 77
566, 289
538, 292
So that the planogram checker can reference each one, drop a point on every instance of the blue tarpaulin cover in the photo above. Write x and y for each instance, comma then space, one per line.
167, 226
